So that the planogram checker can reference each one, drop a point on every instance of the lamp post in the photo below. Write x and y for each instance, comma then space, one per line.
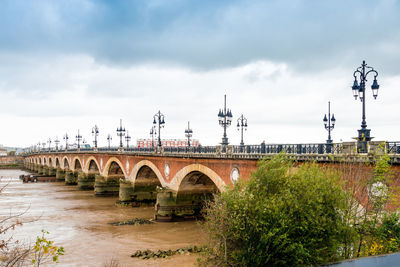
241, 124
188, 133
120, 133
159, 118
152, 133
95, 133
109, 138
127, 139
44, 146
359, 90
49, 142
78, 138
57, 142
225, 120
38, 146
66, 141
329, 123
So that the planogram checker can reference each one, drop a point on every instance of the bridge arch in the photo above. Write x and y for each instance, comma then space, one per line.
92, 166
58, 163
114, 167
44, 161
50, 162
185, 173
139, 168
65, 162
76, 164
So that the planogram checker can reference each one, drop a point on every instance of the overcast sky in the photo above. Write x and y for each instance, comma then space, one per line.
70, 64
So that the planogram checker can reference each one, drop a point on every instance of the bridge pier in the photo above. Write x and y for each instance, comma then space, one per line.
171, 205
86, 181
125, 191
44, 170
51, 171
107, 186
60, 175
70, 178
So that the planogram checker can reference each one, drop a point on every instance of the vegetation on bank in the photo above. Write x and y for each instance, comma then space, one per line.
305, 215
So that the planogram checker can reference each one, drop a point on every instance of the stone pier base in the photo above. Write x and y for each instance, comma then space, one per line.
106, 186
86, 181
70, 178
51, 171
60, 175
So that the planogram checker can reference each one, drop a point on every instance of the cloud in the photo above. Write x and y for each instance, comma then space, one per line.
309, 35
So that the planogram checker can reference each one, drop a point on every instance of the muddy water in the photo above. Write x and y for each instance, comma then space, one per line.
78, 221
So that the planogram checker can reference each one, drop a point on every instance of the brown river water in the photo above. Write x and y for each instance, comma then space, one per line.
78, 221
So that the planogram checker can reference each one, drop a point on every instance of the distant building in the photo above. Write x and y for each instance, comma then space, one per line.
168, 142
3, 152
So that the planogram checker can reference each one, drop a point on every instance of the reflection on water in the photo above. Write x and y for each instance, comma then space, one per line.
78, 221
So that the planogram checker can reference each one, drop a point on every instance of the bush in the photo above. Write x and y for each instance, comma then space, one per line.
284, 216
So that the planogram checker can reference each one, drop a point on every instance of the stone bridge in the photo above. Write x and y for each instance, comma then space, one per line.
177, 182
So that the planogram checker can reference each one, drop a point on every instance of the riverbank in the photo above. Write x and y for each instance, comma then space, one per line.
79, 221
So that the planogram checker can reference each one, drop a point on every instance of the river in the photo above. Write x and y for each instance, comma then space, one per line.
79, 221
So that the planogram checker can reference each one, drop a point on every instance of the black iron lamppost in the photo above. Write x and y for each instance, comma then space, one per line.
120, 133
109, 138
225, 120
66, 141
95, 133
329, 123
127, 139
152, 133
49, 142
241, 124
359, 90
78, 139
188, 134
57, 142
159, 118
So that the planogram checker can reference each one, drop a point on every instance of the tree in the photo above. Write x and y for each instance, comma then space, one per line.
284, 215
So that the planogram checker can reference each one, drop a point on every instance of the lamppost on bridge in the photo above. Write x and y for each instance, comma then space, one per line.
38, 146
49, 142
95, 133
44, 146
159, 118
359, 90
152, 133
120, 133
329, 123
241, 125
127, 139
66, 141
78, 139
188, 133
225, 120
56, 142
109, 139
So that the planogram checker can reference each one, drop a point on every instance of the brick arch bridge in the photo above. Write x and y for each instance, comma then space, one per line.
182, 181
177, 182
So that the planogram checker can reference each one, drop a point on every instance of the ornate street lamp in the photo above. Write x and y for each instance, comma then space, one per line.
329, 123
120, 133
153, 132
49, 142
66, 141
159, 118
109, 138
95, 133
225, 120
242, 124
359, 91
78, 139
127, 139
57, 142
188, 134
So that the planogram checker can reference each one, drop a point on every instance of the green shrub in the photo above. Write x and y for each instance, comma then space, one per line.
284, 216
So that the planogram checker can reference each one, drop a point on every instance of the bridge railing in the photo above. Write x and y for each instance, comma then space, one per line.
319, 148
334, 148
